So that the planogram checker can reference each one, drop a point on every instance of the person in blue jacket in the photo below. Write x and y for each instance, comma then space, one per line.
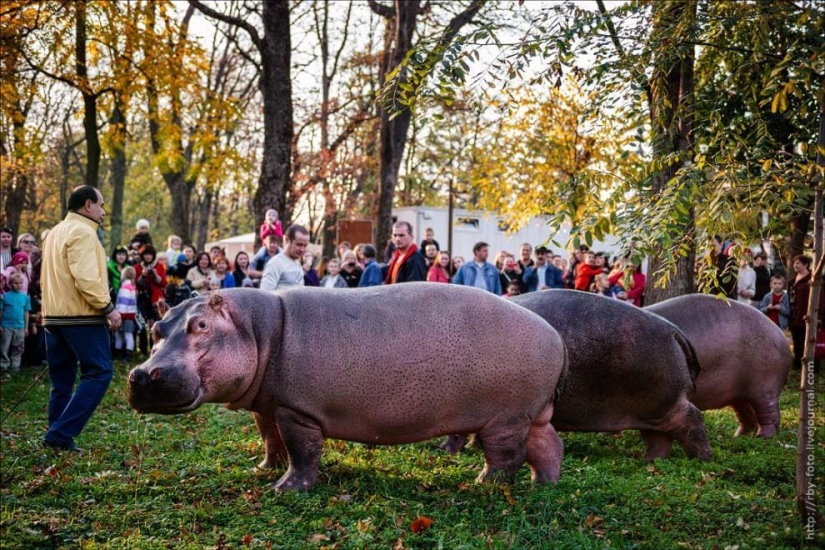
479, 273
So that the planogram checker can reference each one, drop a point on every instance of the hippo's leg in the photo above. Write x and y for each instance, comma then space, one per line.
504, 453
545, 451
304, 442
657, 444
453, 444
767, 414
276, 454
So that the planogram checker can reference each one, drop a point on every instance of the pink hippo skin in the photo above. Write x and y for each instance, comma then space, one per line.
745, 358
382, 365
627, 370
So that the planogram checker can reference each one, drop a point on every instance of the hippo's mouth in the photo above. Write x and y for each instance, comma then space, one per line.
165, 408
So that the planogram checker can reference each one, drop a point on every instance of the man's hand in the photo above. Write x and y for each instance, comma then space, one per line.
114, 320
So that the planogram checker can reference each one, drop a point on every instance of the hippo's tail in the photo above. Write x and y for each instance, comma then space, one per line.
690, 355
565, 369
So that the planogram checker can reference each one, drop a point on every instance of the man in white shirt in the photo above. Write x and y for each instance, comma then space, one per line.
285, 270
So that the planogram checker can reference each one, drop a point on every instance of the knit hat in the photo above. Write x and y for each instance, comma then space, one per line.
19, 258
181, 258
142, 223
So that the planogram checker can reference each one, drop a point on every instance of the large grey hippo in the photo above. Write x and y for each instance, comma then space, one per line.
628, 369
314, 363
745, 358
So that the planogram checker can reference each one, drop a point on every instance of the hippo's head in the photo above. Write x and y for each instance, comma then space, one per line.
204, 351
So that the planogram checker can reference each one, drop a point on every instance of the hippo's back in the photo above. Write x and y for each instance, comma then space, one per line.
740, 349
624, 364
415, 350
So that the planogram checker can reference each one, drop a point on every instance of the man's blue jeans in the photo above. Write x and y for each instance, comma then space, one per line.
67, 347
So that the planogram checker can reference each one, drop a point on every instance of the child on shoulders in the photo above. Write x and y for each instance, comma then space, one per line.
271, 225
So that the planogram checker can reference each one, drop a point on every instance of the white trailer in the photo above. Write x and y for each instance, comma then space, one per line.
472, 226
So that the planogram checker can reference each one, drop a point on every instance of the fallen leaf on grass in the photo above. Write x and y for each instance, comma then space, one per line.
510, 500
318, 537
421, 524
52, 471
592, 520
247, 539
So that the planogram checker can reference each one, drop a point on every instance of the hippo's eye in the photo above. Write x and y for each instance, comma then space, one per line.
197, 324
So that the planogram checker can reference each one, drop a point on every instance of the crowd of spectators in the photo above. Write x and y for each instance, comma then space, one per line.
144, 281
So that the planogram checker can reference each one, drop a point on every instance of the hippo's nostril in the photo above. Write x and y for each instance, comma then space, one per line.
154, 374
137, 376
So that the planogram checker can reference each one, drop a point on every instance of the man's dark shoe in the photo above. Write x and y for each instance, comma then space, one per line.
58, 447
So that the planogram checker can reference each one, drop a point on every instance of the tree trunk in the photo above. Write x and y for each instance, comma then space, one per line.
670, 98
119, 169
393, 132
16, 183
89, 98
276, 86
806, 466
203, 220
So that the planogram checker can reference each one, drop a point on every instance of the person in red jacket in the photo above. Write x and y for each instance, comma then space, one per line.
151, 280
586, 271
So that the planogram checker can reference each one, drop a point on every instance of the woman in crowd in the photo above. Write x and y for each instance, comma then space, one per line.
223, 273
310, 275
115, 267
201, 273
457, 262
150, 276
440, 270
241, 271
510, 271
631, 279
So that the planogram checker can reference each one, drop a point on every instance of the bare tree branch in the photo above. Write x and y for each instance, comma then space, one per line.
381, 9
237, 21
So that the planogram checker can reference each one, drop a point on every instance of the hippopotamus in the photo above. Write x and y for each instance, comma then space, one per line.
745, 358
314, 363
628, 369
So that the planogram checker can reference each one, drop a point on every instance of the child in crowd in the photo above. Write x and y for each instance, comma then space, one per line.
214, 284
174, 243
19, 264
513, 288
271, 225
334, 279
776, 304
14, 325
602, 286
126, 304
142, 236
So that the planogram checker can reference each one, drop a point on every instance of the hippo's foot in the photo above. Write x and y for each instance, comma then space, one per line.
495, 475
545, 451
504, 453
747, 418
453, 444
766, 432
294, 480
657, 444
276, 453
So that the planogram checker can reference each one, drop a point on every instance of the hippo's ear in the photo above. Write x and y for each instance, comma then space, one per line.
216, 303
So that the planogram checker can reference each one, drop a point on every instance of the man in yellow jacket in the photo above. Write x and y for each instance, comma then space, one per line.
77, 311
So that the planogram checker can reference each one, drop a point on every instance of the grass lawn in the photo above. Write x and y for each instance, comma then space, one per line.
189, 482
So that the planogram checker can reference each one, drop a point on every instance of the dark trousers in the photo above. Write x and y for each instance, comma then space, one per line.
70, 347
798, 337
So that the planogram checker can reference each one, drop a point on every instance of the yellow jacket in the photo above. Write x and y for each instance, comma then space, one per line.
73, 277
